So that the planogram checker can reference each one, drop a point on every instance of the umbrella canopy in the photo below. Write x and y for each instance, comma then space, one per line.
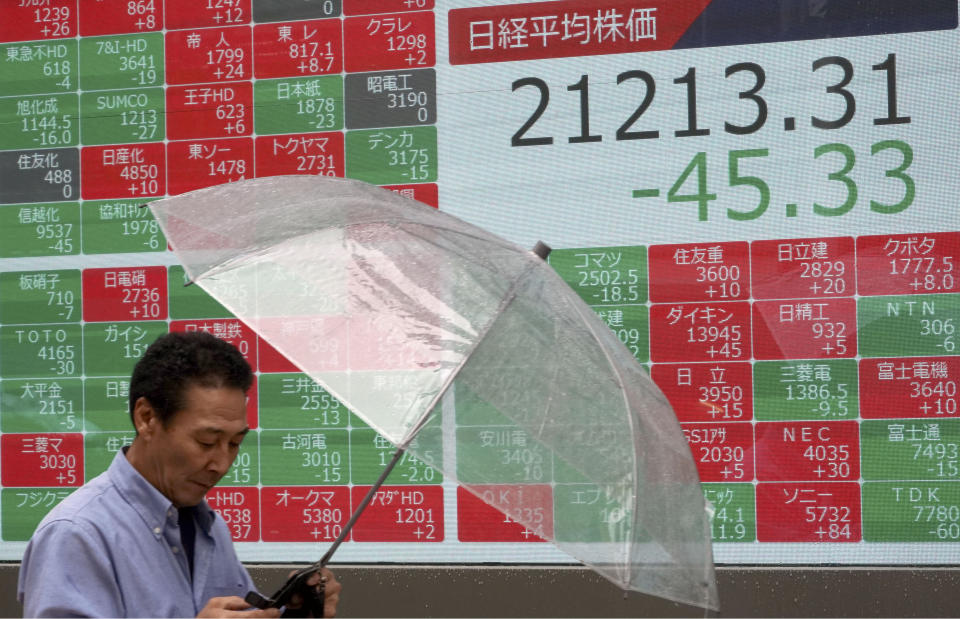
421, 324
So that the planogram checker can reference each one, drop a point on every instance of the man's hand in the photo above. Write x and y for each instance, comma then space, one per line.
331, 592
234, 606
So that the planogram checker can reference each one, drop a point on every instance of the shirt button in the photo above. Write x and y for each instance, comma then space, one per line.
175, 550
157, 531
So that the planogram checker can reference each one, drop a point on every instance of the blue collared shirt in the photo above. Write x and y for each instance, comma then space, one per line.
112, 549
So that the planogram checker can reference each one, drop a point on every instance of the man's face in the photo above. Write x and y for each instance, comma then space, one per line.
188, 457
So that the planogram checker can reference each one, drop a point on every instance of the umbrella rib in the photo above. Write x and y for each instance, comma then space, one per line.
507, 300
546, 413
633, 424
633, 428
412, 433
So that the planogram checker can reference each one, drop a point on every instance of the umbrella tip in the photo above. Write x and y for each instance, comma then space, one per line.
541, 249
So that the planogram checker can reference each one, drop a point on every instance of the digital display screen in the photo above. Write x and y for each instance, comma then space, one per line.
759, 198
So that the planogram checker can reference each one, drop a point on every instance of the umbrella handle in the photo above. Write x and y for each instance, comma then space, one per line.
297, 583
312, 596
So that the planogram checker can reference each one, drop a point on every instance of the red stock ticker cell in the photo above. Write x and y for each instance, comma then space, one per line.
301, 153
123, 171
120, 17
228, 329
293, 49
802, 268
722, 451
707, 391
915, 387
370, 345
209, 111
124, 293
478, 521
395, 41
194, 13
41, 460
426, 192
303, 513
195, 56
699, 272
53, 19
240, 509
565, 28
808, 451
201, 163
271, 360
805, 329
400, 514
320, 342
700, 331
367, 7
923, 263
808, 512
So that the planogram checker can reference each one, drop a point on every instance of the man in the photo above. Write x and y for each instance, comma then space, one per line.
139, 540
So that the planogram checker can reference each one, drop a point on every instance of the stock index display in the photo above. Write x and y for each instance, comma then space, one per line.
758, 198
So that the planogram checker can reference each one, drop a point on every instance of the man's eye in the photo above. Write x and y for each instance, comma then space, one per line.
206, 444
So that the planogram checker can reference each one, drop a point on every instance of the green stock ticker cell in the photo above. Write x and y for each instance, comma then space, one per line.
296, 401
392, 156
631, 324
40, 297
113, 348
41, 405
123, 61
805, 390
298, 105
191, 301
245, 470
911, 325
501, 455
304, 457
911, 511
914, 449
591, 513
734, 512
107, 404
99, 449
41, 351
471, 410
39, 121
604, 275
34, 230
22, 509
370, 453
120, 226
122, 116
37, 67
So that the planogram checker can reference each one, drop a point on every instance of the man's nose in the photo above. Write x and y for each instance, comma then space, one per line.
221, 460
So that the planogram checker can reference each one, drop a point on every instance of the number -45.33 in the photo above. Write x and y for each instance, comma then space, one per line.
691, 185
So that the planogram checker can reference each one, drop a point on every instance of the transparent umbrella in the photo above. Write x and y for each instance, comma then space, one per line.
421, 324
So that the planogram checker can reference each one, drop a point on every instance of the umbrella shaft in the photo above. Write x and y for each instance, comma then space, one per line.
363, 505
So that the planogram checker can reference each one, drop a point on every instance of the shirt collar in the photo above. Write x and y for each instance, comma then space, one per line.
152, 506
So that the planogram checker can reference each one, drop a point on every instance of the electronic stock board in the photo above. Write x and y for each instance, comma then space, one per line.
759, 198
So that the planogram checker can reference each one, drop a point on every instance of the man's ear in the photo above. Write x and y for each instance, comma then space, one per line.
145, 418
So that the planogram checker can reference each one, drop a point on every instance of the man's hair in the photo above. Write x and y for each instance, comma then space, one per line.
178, 361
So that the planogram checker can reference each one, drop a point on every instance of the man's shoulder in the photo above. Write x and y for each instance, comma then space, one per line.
93, 504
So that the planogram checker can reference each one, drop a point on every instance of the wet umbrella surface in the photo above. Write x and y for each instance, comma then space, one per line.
422, 324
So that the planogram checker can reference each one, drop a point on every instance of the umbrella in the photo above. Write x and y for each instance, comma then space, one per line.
421, 323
